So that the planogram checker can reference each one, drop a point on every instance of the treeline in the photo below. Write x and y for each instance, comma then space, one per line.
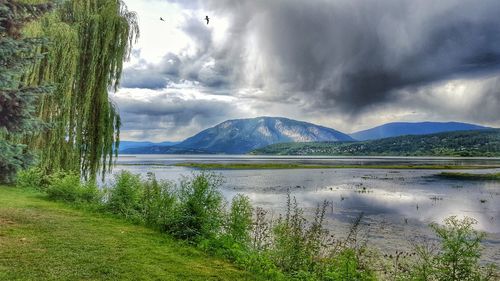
292, 246
464, 143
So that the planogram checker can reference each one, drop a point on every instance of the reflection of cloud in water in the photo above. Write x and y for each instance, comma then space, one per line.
386, 197
424, 206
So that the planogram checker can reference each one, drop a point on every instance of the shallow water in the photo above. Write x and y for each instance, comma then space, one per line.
397, 205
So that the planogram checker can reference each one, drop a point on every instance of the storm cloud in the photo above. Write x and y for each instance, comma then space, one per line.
348, 64
353, 54
170, 115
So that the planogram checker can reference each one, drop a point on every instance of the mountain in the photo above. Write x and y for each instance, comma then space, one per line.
125, 145
418, 128
243, 135
462, 143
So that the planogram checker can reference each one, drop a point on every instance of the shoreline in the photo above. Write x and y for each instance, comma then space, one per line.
280, 166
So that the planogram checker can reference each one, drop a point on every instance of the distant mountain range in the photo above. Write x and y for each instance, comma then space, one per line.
419, 128
462, 143
125, 145
244, 135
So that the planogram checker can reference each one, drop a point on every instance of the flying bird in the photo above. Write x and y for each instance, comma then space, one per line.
207, 19
162, 19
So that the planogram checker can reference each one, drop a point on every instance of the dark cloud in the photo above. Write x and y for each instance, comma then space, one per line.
169, 115
471, 100
353, 54
335, 62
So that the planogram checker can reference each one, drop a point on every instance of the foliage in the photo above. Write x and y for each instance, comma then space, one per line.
43, 240
199, 215
13, 157
124, 198
66, 186
305, 250
32, 178
460, 249
239, 224
292, 247
456, 257
17, 100
346, 266
157, 203
466, 143
89, 39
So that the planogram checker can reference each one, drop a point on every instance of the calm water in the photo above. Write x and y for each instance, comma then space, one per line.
397, 204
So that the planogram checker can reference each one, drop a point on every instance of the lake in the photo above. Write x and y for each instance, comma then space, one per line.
397, 205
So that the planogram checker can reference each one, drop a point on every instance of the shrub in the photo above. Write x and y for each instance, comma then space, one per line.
66, 186
304, 249
346, 266
458, 256
124, 198
240, 220
199, 214
32, 178
297, 243
158, 203
460, 249
261, 231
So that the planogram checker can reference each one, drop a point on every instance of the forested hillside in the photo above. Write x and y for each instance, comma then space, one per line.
465, 143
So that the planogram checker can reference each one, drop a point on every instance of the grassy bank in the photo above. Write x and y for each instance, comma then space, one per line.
44, 240
263, 166
469, 176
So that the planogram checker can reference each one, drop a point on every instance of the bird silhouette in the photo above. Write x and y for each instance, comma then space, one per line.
207, 19
162, 19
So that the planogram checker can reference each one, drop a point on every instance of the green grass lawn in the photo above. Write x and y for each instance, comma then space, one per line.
44, 240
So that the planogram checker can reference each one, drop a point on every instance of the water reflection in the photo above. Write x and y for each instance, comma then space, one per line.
397, 204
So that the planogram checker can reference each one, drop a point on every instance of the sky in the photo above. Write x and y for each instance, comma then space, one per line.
344, 64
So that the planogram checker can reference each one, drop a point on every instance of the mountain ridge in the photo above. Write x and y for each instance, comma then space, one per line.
125, 145
244, 135
484, 143
395, 129
239, 136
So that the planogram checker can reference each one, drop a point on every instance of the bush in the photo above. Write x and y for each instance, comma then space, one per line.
298, 243
460, 250
158, 203
199, 214
457, 258
32, 178
346, 266
66, 186
240, 220
124, 198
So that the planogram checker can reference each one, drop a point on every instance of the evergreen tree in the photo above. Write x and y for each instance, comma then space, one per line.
17, 101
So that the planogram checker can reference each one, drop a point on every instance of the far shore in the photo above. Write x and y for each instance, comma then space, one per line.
267, 166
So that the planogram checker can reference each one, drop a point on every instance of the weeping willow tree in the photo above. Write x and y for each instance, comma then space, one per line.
89, 40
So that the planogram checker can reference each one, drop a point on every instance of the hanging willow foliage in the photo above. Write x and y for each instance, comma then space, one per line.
89, 40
